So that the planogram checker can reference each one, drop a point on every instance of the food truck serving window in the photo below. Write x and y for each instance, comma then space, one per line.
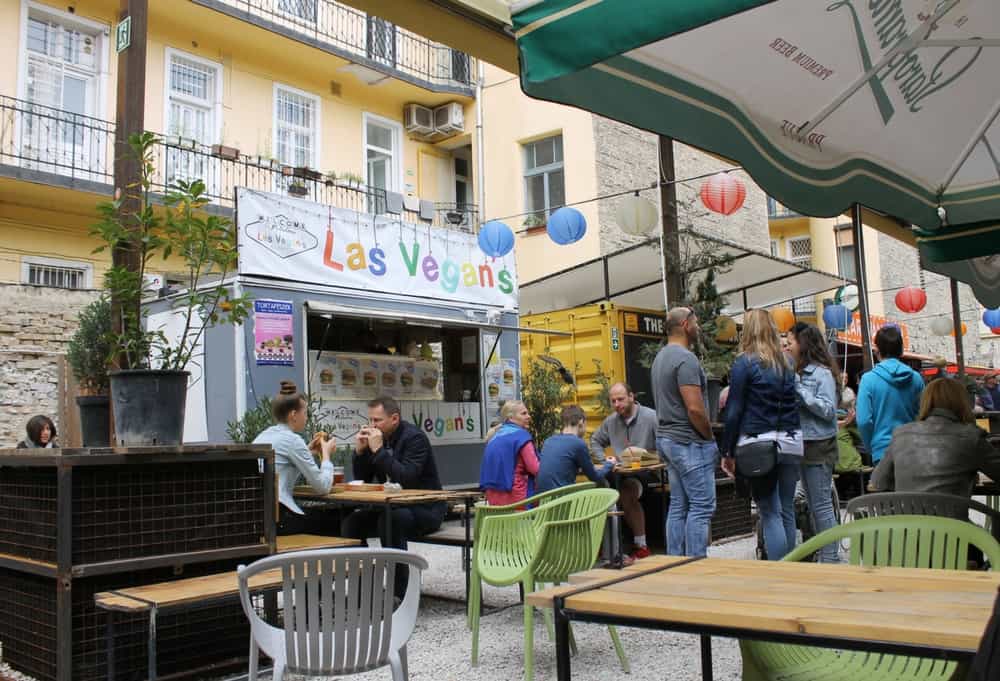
432, 369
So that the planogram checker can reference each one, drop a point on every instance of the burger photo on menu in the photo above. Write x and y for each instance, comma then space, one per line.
388, 379
508, 376
493, 390
406, 379
348, 376
369, 378
326, 377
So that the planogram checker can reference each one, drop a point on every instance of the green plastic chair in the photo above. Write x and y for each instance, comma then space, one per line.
911, 541
543, 545
483, 511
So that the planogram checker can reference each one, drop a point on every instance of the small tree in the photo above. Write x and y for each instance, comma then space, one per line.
544, 391
716, 356
88, 350
603, 396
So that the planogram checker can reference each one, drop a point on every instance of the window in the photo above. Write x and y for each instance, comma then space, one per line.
462, 192
382, 162
381, 40
303, 9
845, 262
56, 273
296, 117
545, 185
193, 113
800, 253
775, 253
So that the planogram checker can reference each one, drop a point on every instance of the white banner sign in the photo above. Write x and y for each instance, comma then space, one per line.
306, 242
442, 422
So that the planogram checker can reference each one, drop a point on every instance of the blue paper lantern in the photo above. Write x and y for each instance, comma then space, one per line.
496, 239
992, 318
566, 226
836, 316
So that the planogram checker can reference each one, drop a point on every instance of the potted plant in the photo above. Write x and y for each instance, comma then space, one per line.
149, 378
87, 355
350, 181
534, 221
225, 153
330, 178
307, 173
298, 188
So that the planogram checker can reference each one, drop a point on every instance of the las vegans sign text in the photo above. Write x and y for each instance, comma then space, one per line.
307, 242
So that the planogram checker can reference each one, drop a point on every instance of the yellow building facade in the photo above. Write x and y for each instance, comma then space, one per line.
312, 85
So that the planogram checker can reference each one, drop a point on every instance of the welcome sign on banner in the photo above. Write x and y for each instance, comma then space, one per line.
308, 242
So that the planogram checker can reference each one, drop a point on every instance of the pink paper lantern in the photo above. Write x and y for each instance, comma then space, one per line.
911, 299
723, 193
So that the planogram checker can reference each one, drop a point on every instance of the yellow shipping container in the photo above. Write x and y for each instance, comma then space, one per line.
605, 333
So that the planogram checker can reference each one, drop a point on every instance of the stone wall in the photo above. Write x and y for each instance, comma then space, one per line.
628, 158
900, 267
36, 323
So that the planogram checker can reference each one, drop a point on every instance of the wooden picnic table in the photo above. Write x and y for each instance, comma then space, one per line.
906, 611
622, 471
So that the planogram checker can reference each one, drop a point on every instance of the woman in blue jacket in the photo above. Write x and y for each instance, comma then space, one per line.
763, 406
816, 381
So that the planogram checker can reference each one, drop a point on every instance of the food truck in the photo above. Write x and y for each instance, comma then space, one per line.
350, 305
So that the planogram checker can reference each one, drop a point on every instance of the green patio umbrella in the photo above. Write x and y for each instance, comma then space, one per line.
828, 104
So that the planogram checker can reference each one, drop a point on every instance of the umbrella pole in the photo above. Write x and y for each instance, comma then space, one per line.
862, 271
956, 315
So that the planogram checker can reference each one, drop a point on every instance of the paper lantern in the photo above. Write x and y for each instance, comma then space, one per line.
911, 299
991, 318
941, 326
848, 297
566, 226
995, 330
964, 329
836, 317
725, 329
723, 193
636, 215
783, 319
496, 239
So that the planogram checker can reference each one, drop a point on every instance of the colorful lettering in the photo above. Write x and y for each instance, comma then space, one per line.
449, 276
430, 267
485, 272
506, 282
356, 256
439, 426
470, 424
469, 275
376, 257
328, 253
411, 263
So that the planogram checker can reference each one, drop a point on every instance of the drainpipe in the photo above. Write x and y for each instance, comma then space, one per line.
480, 154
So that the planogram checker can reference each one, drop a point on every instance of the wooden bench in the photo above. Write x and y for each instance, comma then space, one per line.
198, 591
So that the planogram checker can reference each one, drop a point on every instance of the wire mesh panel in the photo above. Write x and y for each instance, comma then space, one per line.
732, 515
28, 623
122, 512
28, 513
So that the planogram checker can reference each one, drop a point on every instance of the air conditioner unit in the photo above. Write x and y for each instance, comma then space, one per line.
450, 118
418, 120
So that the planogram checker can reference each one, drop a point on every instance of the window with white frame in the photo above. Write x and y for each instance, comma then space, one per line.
56, 273
296, 126
775, 253
799, 251
193, 110
544, 181
382, 153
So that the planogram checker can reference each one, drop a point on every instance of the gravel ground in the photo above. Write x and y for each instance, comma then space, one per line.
440, 646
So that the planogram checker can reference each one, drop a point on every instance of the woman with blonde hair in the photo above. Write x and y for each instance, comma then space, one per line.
510, 462
762, 415
942, 451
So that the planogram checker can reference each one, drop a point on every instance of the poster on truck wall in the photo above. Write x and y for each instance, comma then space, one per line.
273, 336
307, 242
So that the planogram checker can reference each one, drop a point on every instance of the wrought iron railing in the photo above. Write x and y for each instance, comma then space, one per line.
379, 43
777, 210
63, 147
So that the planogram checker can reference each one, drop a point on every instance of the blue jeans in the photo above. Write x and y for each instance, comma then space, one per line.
775, 497
691, 470
817, 479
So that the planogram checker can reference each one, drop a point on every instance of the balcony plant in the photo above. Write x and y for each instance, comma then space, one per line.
225, 153
307, 173
350, 180
535, 221
87, 355
149, 377
298, 188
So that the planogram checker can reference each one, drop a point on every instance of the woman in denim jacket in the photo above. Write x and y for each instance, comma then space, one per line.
762, 405
816, 384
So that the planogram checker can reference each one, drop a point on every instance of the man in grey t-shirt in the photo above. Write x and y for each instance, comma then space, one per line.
684, 436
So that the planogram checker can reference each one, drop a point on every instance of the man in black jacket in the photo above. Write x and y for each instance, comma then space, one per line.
393, 450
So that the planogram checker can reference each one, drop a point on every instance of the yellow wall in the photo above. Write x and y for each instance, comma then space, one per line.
511, 119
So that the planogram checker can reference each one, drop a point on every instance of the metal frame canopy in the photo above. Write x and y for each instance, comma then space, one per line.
632, 277
826, 104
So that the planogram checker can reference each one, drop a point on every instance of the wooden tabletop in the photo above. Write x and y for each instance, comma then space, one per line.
625, 469
939, 608
344, 493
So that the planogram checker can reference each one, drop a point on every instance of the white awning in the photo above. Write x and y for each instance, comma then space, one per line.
632, 277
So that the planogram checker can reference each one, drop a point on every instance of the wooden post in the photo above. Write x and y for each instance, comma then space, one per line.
956, 318
862, 272
671, 239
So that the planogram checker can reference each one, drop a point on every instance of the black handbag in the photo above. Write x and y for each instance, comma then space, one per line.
758, 459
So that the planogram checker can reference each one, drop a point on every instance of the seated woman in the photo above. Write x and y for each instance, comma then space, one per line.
942, 451
41, 433
510, 462
292, 459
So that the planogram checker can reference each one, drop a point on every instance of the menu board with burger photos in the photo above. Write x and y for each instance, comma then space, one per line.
355, 376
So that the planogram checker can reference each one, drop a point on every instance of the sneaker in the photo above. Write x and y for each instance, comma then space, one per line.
640, 552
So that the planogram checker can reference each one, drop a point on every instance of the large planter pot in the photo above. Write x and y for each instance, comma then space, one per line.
149, 406
714, 389
95, 417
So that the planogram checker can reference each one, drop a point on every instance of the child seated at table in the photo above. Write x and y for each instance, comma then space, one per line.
566, 453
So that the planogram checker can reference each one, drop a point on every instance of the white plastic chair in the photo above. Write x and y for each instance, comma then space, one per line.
338, 612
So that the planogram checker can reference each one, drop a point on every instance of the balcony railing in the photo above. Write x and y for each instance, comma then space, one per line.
58, 147
360, 37
777, 210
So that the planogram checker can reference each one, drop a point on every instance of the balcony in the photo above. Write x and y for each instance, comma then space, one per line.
776, 211
365, 40
56, 147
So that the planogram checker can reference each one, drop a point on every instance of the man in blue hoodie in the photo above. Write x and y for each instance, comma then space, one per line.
888, 395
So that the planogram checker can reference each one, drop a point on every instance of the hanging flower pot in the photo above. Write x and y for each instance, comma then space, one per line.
911, 299
723, 193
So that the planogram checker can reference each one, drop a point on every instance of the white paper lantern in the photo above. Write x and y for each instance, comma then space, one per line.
636, 215
941, 326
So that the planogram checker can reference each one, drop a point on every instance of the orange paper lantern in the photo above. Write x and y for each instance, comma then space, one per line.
964, 329
723, 194
783, 319
725, 329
